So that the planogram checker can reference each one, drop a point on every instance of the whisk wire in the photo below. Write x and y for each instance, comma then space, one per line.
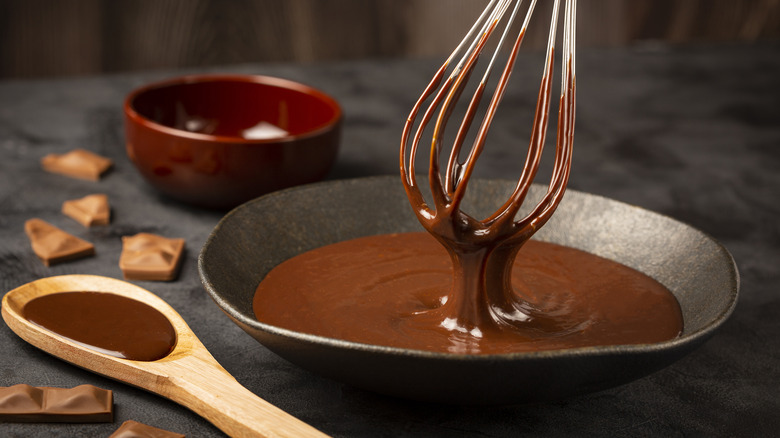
464, 172
565, 131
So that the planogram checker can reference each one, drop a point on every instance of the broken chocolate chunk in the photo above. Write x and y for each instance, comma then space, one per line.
150, 257
78, 163
52, 245
89, 210
134, 429
29, 404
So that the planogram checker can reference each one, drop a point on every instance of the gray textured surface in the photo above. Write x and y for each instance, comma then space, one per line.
693, 133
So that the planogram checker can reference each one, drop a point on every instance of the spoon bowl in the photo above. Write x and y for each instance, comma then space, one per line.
188, 375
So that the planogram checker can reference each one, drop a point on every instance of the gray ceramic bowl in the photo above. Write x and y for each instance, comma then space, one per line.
258, 235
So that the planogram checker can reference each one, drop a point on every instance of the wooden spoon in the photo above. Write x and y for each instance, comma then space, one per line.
189, 375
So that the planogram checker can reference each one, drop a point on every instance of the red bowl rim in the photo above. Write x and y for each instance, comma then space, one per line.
259, 79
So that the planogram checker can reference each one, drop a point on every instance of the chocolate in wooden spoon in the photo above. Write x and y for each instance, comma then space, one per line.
187, 374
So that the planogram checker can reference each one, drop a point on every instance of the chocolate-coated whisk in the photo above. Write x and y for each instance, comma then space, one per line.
493, 241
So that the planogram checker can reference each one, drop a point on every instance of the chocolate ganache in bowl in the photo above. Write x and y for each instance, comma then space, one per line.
258, 236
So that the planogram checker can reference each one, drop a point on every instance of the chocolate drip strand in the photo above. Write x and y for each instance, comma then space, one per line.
483, 250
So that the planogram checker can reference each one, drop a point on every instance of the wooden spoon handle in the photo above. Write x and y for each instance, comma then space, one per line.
216, 396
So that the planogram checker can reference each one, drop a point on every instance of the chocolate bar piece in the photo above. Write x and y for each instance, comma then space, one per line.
52, 245
134, 429
82, 404
89, 210
78, 163
150, 257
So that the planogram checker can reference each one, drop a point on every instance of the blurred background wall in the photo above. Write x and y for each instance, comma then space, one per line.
40, 38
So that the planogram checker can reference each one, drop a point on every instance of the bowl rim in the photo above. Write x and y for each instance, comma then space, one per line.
700, 335
272, 81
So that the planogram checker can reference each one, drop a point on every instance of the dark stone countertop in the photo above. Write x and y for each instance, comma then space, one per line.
691, 132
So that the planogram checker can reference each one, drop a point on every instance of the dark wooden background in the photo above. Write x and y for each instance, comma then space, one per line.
41, 38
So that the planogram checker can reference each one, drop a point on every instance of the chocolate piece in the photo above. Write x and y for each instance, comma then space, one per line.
52, 245
109, 323
134, 429
83, 404
150, 257
78, 163
89, 210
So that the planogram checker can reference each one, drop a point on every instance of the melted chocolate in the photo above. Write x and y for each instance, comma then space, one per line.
393, 290
109, 323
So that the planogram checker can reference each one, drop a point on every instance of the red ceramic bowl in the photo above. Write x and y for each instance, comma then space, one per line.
218, 141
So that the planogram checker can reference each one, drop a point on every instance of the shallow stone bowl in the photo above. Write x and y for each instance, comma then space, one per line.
253, 238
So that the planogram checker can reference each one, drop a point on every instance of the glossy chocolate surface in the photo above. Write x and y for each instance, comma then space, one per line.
392, 290
109, 323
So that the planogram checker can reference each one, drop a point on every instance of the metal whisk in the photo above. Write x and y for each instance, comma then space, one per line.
495, 239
